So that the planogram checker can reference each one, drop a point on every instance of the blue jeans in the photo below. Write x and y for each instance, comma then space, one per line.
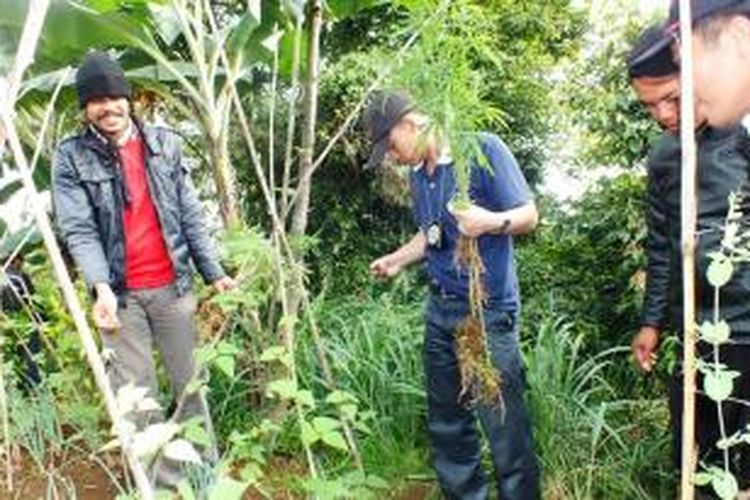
453, 433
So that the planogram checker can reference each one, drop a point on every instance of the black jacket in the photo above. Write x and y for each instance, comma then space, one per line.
723, 167
88, 192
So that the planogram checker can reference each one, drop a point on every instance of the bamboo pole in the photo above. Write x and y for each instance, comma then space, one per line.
689, 217
8, 91
74, 306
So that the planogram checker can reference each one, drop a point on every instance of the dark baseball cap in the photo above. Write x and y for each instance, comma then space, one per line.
704, 9
651, 55
383, 113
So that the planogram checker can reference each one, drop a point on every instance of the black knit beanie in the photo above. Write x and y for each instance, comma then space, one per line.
100, 76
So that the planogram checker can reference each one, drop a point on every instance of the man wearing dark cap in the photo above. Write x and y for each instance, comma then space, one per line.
502, 207
723, 168
132, 221
721, 51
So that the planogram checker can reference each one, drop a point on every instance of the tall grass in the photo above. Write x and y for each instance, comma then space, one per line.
375, 348
592, 442
592, 445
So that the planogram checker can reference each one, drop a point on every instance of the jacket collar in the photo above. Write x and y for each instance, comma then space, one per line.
93, 139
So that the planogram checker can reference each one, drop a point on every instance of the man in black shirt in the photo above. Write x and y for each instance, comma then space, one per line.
723, 167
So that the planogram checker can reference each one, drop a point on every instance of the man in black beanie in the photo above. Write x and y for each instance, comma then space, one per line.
134, 225
723, 168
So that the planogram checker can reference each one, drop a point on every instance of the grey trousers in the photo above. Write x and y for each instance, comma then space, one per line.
159, 316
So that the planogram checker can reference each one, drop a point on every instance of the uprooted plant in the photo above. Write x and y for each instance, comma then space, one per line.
443, 77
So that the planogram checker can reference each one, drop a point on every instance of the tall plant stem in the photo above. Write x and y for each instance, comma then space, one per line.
7, 445
32, 30
689, 216
291, 119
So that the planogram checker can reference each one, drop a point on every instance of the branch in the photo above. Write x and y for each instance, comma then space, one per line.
362, 101
26, 47
8, 92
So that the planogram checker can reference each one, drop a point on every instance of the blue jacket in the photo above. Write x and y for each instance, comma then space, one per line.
89, 195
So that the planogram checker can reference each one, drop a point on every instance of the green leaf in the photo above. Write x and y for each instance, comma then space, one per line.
702, 478
283, 388
225, 348
362, 427
226, 365
166, 22
273, 353
349, 411
227, 489
347, 8
195, 432
335, 439
715, 333
724, 484
327, 489
277, 353
9, 190
308, 434
204, 356
305, 398
720, 271
340, 397
719, 384
324, 425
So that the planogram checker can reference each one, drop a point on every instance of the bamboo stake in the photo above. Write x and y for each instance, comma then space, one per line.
74, 306
689, 216
8, 91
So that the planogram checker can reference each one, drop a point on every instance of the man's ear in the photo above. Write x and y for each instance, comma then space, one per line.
739, 33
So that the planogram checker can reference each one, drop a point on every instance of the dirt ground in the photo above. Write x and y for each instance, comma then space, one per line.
83, 479
88, 480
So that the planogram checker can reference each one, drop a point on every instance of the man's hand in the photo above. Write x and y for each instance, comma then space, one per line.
474, 221
387, 266
104, 311
224, 284
644, 347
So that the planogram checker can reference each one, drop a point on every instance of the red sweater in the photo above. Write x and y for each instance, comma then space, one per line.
147, 260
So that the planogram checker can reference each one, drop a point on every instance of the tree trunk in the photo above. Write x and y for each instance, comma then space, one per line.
302, 206
224, 179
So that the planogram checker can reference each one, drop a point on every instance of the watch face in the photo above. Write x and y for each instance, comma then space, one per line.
434, 235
